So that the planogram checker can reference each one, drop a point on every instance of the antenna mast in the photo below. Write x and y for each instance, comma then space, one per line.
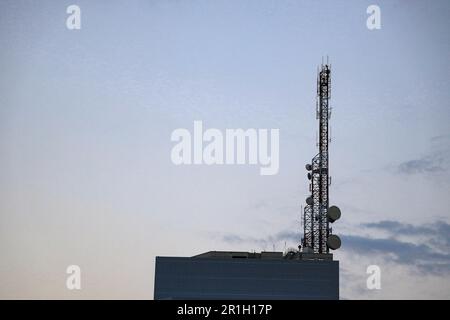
317, 214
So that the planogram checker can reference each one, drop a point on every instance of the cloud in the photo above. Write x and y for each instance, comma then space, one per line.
232, 238
437, 232
430, 256
419, 166
437, 160
396, 227
421, 256
440, 139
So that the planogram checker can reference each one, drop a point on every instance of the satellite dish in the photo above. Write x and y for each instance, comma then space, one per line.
309, 201
333, 214
308, 167
333, 242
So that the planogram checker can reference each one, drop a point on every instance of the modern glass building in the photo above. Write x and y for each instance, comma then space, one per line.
246, 275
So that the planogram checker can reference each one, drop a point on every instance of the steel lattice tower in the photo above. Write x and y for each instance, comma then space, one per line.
315, 218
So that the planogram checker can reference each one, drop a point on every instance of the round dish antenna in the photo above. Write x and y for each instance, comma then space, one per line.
333, 214
333, 242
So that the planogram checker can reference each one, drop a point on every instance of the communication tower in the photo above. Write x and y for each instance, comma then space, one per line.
318, 236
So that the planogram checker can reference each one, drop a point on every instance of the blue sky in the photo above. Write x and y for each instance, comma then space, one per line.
86, 118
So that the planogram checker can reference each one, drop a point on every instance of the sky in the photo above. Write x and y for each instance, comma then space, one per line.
86, 117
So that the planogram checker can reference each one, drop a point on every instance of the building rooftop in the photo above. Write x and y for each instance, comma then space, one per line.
247, 275
264, 255
241, 255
